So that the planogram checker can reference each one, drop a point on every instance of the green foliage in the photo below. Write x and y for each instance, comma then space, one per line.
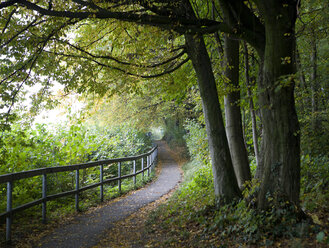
193, 208
262, 227
102, 57
315, 137
193, 205
312, 92
174, 132
196, 141
195, 194
315, 182
26, 149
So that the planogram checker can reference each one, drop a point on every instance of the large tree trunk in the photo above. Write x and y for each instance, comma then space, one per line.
233, 120
281, 139
225, 182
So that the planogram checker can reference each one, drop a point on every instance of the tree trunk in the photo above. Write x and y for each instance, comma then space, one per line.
300, 70
303, 85
314, 84
234, 131
251, 105
225, 182
281, 138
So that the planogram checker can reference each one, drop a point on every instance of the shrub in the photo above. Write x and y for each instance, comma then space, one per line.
196, 141
26, 149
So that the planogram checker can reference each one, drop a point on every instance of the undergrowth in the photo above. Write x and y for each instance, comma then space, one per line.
194, 220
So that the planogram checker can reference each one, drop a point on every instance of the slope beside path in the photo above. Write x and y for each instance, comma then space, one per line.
86, 230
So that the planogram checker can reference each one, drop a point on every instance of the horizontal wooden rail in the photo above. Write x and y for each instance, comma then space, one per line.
150, 156
48, 170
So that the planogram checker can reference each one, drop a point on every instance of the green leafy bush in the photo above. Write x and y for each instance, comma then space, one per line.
315, 139
44, 146
173, 133
314, 182
196, 141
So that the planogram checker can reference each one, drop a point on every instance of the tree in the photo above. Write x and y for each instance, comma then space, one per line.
274, 41
249, 82
224, 178
233, 113
267, 25
233, 118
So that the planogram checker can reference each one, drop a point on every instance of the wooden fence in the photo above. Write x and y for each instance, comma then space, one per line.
149, 158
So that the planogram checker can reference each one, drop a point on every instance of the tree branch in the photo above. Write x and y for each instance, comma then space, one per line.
245, 23
8, 20
177, 56
179, 24
7, 3
167, 71
32, 24
144, 108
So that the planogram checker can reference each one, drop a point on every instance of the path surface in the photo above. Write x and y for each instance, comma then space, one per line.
85, 231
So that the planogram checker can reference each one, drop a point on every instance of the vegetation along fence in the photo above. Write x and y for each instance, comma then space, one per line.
147, 161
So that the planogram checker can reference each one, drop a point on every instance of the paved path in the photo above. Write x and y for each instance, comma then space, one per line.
85, 231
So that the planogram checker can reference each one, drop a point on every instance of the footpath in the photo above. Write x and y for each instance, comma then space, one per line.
85, 231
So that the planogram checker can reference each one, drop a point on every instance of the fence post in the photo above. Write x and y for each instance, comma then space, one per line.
151, 163
9, 208
156, 154
148, 165
101, 179
134, 170
77, 190
119, 176
142, 168
153, 159
44, 196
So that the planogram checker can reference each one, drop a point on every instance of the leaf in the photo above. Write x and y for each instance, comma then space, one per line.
320, 236
315, 219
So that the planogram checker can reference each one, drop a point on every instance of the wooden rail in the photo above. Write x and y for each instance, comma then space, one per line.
150, 158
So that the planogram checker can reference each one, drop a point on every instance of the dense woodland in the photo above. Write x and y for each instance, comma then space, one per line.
240, 86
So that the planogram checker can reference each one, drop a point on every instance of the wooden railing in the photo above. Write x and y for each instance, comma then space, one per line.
149, 157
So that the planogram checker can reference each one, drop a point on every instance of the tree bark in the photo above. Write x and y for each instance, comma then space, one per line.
251, 105
300, 70
233, 119
314, 84
304, 98
281, 139
225, 182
